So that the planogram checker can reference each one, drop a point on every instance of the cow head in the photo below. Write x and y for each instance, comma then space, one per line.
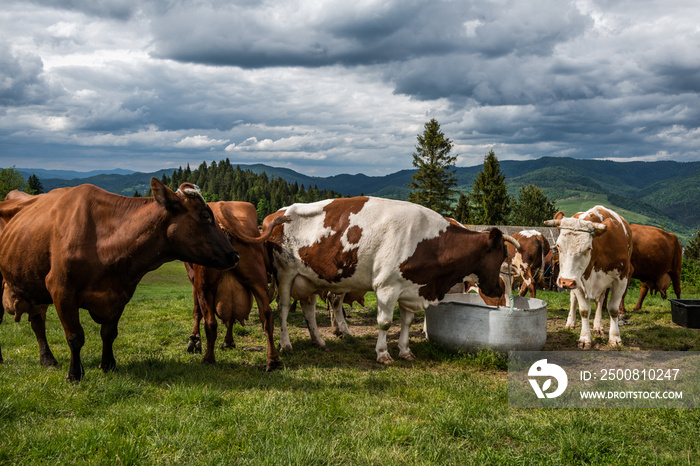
489, 276
575, 244
193, 233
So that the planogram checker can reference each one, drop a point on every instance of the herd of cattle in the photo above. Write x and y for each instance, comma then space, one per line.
86, 248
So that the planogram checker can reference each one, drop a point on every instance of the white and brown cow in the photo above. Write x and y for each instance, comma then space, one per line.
403, 252
528, 261
656, 262
595, 249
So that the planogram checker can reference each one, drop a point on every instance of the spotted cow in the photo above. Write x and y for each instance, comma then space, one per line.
595, 249
656, 261
529, 261
405, 253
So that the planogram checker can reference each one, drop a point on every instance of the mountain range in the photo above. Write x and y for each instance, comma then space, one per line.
664, 193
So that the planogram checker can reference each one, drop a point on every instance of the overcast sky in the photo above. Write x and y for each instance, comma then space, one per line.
327, 87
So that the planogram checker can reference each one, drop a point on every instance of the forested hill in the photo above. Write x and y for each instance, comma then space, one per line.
224, 182
663, 193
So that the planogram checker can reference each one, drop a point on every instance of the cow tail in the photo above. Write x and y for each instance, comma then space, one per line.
265, 235
675, 271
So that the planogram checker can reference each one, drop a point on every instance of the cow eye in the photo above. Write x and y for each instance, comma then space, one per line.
206, 217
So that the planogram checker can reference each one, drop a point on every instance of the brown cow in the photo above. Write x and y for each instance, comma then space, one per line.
228, 293
656, 258
595, 248
86, 248
405, 253
14, 202
528, 261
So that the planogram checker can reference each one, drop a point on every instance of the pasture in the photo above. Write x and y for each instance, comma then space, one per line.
162, 406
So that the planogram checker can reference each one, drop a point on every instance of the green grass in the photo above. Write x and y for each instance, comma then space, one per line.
162, 406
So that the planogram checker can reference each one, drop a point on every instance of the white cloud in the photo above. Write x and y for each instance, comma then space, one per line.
200, 142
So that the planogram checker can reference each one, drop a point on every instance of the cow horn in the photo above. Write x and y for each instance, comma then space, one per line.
553, 223
512, 241
600, 226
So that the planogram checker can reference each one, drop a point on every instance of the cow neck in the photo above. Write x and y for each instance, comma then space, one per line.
138, 236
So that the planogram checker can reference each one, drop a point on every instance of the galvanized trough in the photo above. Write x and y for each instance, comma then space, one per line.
463, 322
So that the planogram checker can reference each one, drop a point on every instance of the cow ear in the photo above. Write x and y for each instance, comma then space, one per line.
559, 215
165, 196
495, 238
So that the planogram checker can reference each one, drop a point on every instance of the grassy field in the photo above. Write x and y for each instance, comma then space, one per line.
162, 406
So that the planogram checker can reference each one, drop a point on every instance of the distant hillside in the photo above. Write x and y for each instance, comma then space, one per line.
125, 185
68, 174
658, 193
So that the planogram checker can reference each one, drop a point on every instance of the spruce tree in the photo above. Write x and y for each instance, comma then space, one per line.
532, 207
431, 186
490, 199
34, 185
463, 211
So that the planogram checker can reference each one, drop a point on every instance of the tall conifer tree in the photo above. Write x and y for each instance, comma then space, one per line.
431, 186
490, 199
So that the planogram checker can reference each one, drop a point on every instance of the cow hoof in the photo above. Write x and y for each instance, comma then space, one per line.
194, 345
273, 365
571, 326
285, 348
598, 331
584, 345
225, 346
385, 358
409, 356
109, 366
49, 362
615, 343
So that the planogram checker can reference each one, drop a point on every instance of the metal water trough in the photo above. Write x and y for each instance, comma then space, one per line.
463, 322
686, 312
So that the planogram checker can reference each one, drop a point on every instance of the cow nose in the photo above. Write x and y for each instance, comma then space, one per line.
567, 283
232, 259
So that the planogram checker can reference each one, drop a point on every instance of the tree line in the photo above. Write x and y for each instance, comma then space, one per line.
223, 182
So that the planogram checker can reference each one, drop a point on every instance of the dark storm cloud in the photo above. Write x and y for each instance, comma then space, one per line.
120, 10
345, 86
272, 34
21, 80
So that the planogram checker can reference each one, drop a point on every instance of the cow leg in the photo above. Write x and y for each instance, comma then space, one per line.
584, 307
67, 311
386, 300
283, 301
616, 295
340, 326
206, 304
571, 319
642, 295
38, 322
195, 343
598, 320
109, 332
309, 308
404, 337
228, 339
267, 319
